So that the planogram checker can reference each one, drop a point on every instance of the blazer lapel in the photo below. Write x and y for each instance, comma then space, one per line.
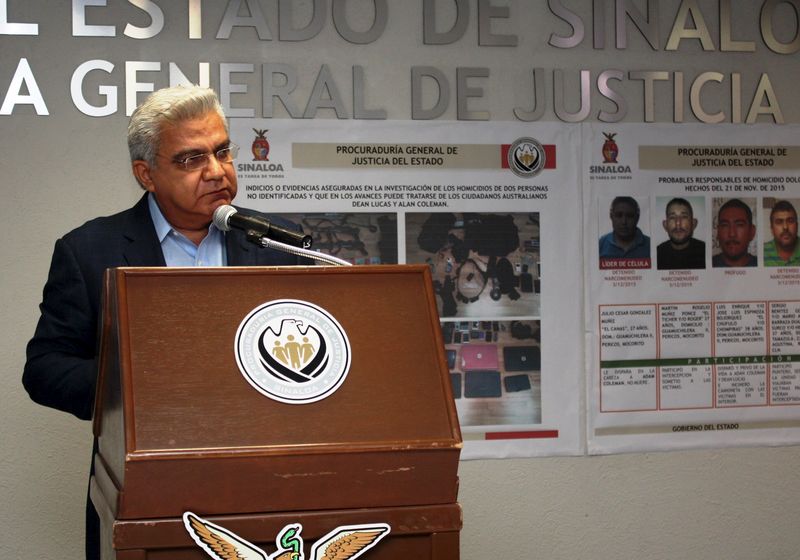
143, 248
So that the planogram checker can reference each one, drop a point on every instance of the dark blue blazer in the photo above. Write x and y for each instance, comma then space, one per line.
61, 370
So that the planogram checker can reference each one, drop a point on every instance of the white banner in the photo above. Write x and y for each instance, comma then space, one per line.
693, 313
477, 202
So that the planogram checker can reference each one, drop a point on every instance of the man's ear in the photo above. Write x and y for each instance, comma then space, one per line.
694, 223
664, 225
141, 170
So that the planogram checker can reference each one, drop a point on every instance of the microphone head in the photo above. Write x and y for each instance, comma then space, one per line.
222, 216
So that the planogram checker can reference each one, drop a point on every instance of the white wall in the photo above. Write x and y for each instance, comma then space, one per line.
59, 170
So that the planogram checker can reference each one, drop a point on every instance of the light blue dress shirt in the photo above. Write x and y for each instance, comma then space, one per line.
178, 250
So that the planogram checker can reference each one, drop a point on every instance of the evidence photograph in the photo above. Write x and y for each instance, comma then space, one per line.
359, 238
495, 371
482, 265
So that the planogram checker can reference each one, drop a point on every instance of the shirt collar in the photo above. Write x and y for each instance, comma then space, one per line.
159, 221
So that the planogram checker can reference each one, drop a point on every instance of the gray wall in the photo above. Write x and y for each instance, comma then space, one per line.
62, 169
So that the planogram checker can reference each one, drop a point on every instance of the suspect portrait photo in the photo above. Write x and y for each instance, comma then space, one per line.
783, 249
626, 245
682, 226
735, 233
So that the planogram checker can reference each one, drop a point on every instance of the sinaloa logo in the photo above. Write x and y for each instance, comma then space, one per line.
292, 351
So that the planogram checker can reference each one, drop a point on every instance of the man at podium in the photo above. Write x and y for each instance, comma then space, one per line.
182, 156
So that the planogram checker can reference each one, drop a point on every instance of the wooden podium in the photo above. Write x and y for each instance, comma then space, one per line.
179, 427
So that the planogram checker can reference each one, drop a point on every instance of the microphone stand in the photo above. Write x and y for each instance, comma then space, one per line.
264, 241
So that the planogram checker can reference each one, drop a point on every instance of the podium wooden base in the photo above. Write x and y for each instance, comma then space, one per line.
428, 532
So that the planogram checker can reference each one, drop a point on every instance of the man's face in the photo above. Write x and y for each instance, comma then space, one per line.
188, 198
784, 229
734, 232
624, 220
680, 224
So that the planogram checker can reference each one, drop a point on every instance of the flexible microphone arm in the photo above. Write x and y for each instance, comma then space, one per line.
268, 243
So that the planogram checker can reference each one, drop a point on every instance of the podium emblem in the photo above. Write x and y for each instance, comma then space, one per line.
292, 351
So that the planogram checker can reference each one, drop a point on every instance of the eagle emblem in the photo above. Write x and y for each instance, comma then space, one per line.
343, 543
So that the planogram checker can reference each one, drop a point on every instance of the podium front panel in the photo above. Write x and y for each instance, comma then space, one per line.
388, 436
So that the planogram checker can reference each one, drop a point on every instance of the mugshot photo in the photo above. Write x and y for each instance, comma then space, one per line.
624, 241
779, 224
735, 232
679, 229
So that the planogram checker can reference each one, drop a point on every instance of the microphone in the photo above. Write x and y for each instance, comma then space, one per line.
227, 217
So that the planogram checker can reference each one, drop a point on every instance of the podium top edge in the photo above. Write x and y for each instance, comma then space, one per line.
252, 270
